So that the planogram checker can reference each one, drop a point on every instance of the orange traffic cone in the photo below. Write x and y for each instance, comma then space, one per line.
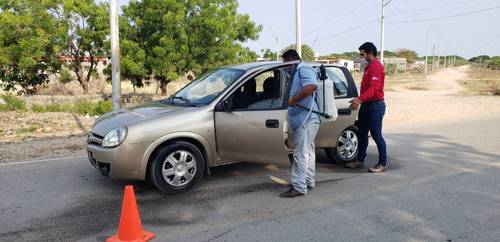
130, 228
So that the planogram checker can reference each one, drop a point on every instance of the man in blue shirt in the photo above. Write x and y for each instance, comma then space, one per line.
304, 124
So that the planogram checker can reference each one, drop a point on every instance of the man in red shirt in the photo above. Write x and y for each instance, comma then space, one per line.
372, 109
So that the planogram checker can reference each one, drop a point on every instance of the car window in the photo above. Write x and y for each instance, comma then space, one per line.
260, 92
339, 81
205, 89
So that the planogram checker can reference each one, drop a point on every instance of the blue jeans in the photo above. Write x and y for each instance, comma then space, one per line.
370, 120
304, 157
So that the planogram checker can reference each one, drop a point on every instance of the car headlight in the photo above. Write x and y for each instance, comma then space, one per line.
114, 137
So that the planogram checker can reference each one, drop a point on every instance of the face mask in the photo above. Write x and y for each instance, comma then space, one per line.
364, 61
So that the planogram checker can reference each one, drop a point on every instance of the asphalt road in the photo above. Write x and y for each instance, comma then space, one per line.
443, 184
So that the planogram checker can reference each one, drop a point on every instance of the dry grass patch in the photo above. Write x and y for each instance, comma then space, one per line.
482, 81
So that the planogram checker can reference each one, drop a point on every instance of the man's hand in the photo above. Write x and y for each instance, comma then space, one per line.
291, 102
355, 102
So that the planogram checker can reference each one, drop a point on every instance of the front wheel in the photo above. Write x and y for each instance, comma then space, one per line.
177, 167
347, 147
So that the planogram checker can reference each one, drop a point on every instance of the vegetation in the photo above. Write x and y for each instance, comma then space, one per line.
166, 38
26, 130
492, 62
82, 107
483, 80
307, 52
160, 39
87, 25
12, 103
30, 39
269, 54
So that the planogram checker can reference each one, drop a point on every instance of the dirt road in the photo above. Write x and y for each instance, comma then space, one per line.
443, 100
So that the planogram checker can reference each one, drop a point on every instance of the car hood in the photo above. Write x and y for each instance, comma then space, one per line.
129, 116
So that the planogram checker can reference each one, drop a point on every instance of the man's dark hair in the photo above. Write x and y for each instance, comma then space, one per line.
369, 47
291, 54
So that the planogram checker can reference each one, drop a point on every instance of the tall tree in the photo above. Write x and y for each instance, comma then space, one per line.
29, 42
88, 27
307, 52
188, 35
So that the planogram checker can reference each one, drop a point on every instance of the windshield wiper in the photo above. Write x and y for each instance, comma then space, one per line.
187, 101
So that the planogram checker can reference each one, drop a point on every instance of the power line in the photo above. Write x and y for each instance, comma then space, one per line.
336, 16
431, 8
481, 47
339, 17
444, 17
349, 30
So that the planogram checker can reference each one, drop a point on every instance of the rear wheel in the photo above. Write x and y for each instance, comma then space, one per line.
347, 147
177, 167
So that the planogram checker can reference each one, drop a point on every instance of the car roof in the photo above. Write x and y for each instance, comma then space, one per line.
270, 64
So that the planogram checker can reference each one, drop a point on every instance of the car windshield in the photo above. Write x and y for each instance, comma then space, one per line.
204, 90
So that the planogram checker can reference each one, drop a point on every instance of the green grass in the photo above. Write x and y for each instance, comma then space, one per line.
26, 130
12, 103
55, 108
82, 107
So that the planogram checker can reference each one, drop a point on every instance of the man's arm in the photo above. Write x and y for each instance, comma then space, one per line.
309, 83
306, 91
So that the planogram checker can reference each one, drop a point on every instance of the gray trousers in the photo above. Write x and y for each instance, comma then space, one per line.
304, 157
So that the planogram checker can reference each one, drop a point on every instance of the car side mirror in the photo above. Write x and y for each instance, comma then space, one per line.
322, 73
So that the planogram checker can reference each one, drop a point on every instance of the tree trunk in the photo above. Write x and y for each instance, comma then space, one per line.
163, 87
85, 86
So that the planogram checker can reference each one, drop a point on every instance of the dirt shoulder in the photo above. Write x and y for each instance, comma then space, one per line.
443, 98
410, 100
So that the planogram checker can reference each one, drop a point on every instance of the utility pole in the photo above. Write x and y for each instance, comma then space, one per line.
438, 57
444, 64
115, 56
298, 27
384, 4
277, 48
427, 49
454, 60
433, 66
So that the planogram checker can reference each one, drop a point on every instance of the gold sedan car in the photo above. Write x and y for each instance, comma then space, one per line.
236, 113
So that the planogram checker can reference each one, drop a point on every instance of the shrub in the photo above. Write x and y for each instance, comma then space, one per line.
84, 107
55, 107
103, 107
12, 103
87, 107
495, 88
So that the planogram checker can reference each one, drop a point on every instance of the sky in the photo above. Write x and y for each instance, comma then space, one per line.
336, 26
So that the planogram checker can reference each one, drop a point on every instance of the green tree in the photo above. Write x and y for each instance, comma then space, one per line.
29, 42
480, 59
88, 27
388, 53
410, 55
307, 52
188, 35
268, 54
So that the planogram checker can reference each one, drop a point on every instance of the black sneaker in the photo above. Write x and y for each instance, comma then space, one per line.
291, 193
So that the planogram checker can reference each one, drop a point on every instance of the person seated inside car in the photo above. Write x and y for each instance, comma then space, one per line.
270, 97
247, 96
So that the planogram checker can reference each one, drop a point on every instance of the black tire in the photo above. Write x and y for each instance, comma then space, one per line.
335, 155
176, 150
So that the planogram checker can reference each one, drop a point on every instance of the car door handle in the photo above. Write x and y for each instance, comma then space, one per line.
344, 111
272, 123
